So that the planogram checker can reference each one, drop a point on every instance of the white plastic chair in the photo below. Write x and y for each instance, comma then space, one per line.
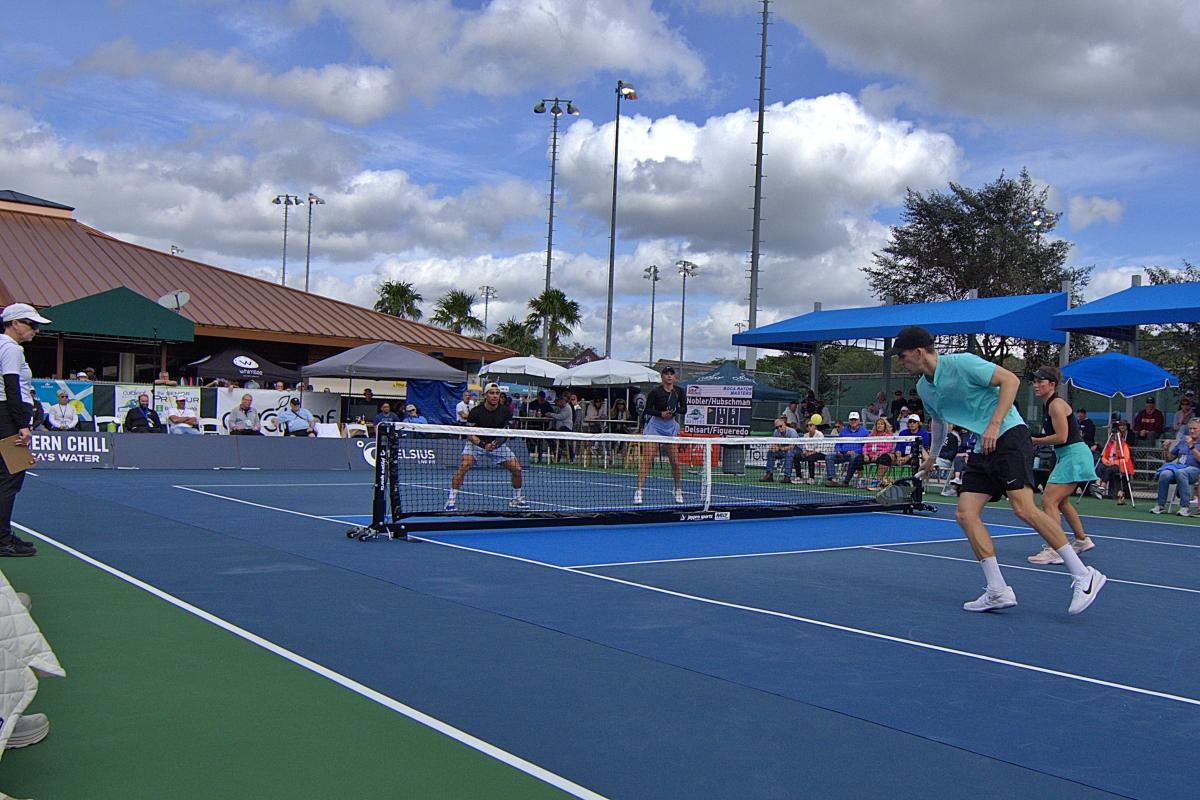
210, 425
355, 429
102, 421
328, 430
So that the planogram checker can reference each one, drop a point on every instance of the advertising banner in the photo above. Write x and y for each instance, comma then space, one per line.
79, 395
268, 403
72, 449
162, 398
718, 409
426, 456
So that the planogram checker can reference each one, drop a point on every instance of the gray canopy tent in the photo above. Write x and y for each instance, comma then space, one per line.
385, 360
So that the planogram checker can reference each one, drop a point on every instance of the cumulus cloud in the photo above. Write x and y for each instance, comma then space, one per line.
424, 48
827, 160
1083, 211
1095, 63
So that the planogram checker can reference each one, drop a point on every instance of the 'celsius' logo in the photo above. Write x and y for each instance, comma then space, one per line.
422, 455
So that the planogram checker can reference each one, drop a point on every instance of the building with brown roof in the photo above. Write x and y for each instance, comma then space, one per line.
47, 258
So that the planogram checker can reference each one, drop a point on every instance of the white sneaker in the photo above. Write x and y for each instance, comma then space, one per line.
1046, 556
678, 496
518, 502
812, 481
451, 505
992, 601
948, 490
1085, 589
1157, 509
30, 729
637, 497
1185, 511
25, 600
797, 480
1084, 546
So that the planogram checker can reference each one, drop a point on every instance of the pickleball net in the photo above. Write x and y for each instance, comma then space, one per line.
435, 477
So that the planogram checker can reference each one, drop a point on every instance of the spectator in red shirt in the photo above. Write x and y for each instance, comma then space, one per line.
1148, 424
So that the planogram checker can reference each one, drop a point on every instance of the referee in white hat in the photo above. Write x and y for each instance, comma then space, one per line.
21, 322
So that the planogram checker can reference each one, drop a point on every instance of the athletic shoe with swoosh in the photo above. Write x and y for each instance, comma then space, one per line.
1085, 589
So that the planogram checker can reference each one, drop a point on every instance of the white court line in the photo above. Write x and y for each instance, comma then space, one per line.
1094, 536
775, 553
1141, 541
835, 626
1111, 579
259, 505
256, 485
444, 728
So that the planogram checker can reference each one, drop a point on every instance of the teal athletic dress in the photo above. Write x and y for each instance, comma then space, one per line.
1073, 459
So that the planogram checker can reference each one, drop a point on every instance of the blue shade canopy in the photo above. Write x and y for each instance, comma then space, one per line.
1025, 316
1111, 374
1118, 315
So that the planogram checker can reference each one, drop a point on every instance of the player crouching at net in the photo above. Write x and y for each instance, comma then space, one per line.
977, 395
663, 404
491, 450
1072, 462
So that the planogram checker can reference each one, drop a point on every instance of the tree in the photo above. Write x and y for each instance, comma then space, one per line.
1175, 348
516, 335
994, 240
562, 313
399, 299
453, 311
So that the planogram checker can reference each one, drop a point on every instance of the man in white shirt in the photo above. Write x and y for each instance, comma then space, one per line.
463, 408
62, 416
182, 419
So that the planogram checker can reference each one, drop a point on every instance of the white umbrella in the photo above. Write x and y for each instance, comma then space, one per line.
607, 372
523, 369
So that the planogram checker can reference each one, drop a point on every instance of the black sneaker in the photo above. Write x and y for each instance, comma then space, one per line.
17, 549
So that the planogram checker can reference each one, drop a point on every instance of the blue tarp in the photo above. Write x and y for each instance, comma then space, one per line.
435, 400
1024, 316
1117, 315
1110, 374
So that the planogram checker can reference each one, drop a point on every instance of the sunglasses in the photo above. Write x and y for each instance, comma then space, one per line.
34, 325
780, 427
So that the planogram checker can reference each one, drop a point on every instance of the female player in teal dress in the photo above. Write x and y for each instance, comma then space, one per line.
1073, 463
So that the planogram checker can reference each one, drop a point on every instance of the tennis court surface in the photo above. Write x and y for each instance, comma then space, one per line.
821, 656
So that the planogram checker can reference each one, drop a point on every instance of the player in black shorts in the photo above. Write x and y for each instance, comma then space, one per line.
491, 450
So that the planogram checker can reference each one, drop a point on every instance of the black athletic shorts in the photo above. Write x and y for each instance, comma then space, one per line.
1008, 467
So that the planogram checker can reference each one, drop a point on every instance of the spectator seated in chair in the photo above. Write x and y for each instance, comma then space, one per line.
182, 419
142, 418
387, 415
62, 415
1181, 467
781, 453
297, 421
849, 453
812, 430
1148, 425
244, 420
880, 454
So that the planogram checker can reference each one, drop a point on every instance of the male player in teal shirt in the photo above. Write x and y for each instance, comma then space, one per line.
975, 394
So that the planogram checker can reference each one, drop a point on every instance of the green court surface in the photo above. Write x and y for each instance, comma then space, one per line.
158, 703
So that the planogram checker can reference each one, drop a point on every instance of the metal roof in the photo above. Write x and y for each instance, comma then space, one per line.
47, 260
10, 196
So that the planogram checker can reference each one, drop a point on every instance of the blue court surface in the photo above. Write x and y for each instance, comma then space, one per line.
824, 657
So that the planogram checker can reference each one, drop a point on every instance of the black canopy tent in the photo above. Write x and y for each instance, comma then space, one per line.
240, 364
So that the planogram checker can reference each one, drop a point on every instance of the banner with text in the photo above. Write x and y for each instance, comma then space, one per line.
162, 398
268, 403
79, 395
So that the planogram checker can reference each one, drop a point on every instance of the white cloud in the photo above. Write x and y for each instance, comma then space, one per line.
827, 160
1094, 63
1083, 211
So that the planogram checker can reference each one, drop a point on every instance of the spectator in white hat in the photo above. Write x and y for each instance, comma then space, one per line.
62, 415
846, 452
21, 322
182, 419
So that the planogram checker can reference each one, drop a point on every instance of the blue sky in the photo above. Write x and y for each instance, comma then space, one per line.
176, 123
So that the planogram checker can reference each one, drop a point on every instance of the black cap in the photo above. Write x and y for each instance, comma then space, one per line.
1044, 375
667, 369
910, 338
295, 401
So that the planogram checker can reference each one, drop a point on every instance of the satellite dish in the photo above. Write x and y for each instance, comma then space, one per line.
174, 300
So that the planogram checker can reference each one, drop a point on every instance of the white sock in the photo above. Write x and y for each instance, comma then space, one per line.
991, 571
516, 493
1071, 559
454, 494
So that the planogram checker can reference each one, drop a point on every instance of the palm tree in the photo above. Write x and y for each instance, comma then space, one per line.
515, 335
399, 299
453, 311
561, 313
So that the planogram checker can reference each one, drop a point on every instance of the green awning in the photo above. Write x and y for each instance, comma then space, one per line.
120, 313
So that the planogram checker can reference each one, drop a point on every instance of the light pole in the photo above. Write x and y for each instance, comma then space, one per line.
651, 274
686, 270
624, 90
285, 200
313, 200
488, 292
555, 112
737, 348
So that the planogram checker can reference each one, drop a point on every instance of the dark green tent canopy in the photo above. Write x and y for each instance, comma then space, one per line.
728, 373
119, 313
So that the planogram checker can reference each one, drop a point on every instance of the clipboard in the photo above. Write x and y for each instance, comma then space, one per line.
17, 457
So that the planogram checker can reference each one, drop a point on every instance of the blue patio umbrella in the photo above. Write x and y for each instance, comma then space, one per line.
1112, 374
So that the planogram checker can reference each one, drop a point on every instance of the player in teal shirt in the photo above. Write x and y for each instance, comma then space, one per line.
977, 395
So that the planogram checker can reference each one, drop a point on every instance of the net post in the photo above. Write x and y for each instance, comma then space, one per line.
708, 476
379, 493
